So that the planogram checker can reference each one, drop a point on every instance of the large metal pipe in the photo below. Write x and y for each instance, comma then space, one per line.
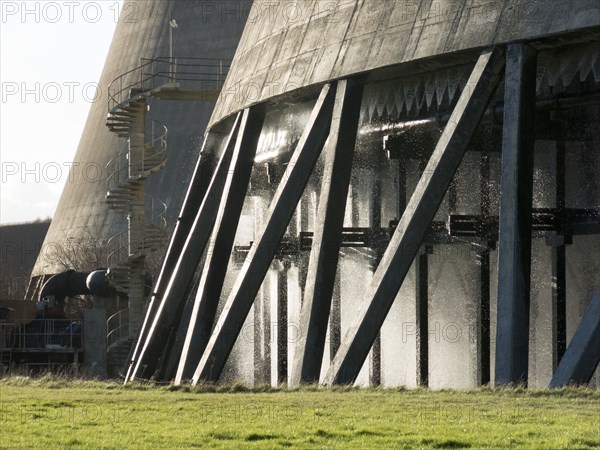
71, 283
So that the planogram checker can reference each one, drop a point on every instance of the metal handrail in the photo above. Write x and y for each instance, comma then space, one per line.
47, 334
119, 168
153, 73
117, 327
119, 246
156, 212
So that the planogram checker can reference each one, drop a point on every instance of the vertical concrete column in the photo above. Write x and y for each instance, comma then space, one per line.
94, 338
262, 305
422, 314
514, 262
483, 260
375, 224
282, 322
422, 299
420, 212
262, 333
177, 273
263, 250
335, 318
302, 261
558, 242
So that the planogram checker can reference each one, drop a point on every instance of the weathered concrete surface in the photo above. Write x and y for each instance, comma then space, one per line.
514, 263
82, 217
287, 45
94, 338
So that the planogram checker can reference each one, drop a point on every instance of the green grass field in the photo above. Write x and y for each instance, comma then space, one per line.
55, 413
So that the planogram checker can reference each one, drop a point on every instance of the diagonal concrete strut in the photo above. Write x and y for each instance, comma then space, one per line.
327, 236
183, 256
221, 243
419, 214
582, 356
288, 193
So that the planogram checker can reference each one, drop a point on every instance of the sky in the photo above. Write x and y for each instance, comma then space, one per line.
51, 56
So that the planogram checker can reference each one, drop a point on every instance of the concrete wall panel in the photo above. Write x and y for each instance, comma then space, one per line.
346, 37
206, 29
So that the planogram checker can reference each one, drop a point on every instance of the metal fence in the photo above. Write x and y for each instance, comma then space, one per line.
45, 334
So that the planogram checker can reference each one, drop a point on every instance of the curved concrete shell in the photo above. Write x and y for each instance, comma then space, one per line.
446, 270
291, 45
83, 222
405, 193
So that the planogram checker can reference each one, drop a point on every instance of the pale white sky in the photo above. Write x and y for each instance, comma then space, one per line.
51, 56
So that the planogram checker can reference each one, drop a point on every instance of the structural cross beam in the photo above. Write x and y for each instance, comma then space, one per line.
419, 214
192, 201
252, 274
173, 298
327, 237
221, 243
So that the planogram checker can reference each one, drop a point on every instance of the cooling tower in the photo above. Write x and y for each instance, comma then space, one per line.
83, 221
422, 207
137, 153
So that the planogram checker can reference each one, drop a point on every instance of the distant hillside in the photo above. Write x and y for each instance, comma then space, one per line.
20, 245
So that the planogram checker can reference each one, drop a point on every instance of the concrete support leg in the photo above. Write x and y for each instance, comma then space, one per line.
335, 318
422, 315
559, 300
221, 243
94, 339
559, 266
172, 351
375, 363
582, 356
172, 298
263, 249
419, 214
327, 237
483, 259
282, 323
191, 204
514, 261
484, 317
375, 223
262, 334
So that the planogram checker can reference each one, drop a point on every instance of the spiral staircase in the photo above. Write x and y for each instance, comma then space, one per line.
190, 79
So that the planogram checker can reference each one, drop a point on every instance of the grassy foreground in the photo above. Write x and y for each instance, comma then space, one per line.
57, 413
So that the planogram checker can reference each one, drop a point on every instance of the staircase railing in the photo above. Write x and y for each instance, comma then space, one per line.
205, 73
118, 168
118, 246
156, 212
47, 334
125, 177
117, 327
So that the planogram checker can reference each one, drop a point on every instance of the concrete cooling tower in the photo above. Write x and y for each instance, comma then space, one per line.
388, 193
407, 194
165, 65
